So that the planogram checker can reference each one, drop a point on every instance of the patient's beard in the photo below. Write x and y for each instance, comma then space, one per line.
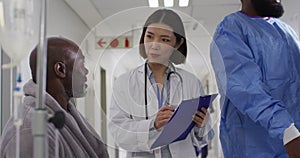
268, 8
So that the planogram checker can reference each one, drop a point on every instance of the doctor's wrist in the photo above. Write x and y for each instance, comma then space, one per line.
152, 126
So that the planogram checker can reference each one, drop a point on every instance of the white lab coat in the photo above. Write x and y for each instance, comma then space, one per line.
128, 125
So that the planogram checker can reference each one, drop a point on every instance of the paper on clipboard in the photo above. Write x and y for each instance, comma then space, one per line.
181, 123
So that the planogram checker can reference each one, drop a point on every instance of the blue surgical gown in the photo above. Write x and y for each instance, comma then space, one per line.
257, 67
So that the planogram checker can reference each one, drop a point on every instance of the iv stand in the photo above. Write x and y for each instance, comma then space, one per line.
39, 116
1, 90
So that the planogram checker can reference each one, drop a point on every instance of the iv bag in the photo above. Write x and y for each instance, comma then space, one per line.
19, 28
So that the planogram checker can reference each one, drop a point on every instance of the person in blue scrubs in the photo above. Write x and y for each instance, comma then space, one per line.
256, 59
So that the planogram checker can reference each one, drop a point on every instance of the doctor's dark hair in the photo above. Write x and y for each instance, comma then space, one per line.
172, 19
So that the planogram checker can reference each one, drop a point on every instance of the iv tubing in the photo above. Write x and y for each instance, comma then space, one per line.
17, 109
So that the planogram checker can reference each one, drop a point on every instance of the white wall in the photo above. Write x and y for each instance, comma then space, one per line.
292, 14
61, 21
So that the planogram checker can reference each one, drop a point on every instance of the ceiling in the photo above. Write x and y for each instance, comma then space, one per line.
200, 18
206, 12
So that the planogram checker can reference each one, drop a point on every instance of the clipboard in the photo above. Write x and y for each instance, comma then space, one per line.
181, 123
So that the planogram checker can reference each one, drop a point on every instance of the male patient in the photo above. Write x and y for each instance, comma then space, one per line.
66, 77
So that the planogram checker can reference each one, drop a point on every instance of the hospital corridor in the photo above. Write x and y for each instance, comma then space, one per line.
149, 78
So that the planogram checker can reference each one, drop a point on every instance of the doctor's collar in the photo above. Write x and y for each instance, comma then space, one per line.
150, 73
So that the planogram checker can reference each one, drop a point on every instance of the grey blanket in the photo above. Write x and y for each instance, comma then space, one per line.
76, 139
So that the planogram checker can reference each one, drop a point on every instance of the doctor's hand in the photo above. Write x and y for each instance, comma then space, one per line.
293, 148
163, 116
200, 117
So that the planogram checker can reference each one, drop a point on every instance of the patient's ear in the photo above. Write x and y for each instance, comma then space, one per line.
60, 69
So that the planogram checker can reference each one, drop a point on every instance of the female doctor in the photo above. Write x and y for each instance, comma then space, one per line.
144, 99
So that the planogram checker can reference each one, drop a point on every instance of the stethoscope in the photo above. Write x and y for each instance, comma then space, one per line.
168, 82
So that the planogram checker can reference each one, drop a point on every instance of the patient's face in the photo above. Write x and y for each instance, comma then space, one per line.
79, 76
